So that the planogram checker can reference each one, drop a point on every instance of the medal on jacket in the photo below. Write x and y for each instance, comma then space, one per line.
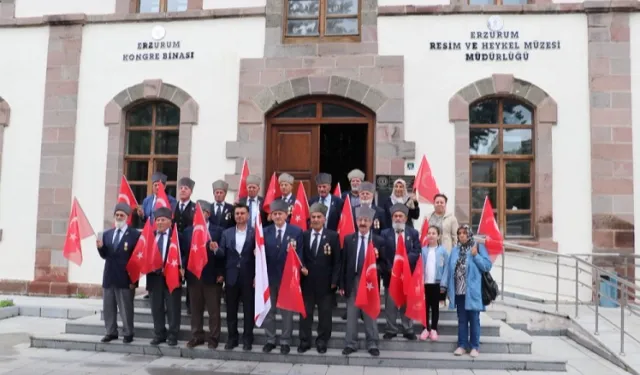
228, 216
375, 250
376, 224
290, 209
126, 246
292, 242
327, 249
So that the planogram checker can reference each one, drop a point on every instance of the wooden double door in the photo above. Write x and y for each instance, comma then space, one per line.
319, 134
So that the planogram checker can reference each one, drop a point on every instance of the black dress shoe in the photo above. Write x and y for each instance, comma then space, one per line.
157, 341
212, 344
322, 349
285, 349
230, 345
267, 348
344, 316
146, 296
303, 348
388, 336
172, 342
247, 347
127, 339
410, 336
109, 338
347, 351
374, 352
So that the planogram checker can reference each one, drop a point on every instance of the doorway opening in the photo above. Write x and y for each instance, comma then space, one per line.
343, 147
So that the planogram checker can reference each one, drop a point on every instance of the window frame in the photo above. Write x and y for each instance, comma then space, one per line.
501, 185
501, 3
322, 25
164, 5
152, 159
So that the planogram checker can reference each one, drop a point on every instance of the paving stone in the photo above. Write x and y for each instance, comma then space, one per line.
272, 369
306, 369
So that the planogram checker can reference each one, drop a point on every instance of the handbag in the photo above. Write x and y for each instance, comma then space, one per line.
490, 289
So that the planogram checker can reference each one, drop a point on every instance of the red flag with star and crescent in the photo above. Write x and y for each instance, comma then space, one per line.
368, 294
78, 228
300, 211
424, 185
489, 227
173, 265
337, 192
400, 274
270, 194
138, 262
416, 307
198, 256
346, 225
242, 188
125, 195
162, 200
290, 293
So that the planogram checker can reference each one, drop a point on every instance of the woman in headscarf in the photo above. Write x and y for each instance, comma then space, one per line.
402, 196
463, 282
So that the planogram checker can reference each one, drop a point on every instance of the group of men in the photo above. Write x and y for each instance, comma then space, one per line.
328, 267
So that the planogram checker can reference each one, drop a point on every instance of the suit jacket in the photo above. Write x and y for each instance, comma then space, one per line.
147, 206
277, 255
324, 267
115, 273
379, 220
184, 219
335, 211
411, 243
215, 259
240, 268
349, 254
414, 213
291, 201
263, 215
226, 219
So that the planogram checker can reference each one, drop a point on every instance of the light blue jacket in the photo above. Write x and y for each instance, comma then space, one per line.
442, 258
476, 265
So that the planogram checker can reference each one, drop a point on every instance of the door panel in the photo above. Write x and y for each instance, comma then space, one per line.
295, 149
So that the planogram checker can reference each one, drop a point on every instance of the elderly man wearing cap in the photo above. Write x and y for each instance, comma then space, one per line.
353, 254
183, 215
253, 201
286, 186
164, 303
277, 238
399, 216
321, 255
355, 177
333, 204
367, 192
115, 247
149, 203
221, 211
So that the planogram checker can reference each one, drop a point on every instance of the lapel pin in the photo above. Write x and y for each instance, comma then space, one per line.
327, 249
126, 246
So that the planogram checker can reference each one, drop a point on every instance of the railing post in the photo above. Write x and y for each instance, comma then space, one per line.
577, 286
623, 299
557, 283
597, 295
502, 271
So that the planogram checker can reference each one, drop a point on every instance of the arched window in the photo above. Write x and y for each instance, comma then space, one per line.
151, 145
501, 136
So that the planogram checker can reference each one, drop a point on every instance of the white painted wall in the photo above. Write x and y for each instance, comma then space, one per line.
432, 77
212, 79
37, 8
23, 89
222, 4
634, 25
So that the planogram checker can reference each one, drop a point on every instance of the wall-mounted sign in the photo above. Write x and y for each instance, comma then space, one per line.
496, 44
158, 49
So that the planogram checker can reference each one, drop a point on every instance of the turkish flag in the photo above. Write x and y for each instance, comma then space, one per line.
270, 194
290, 293
262, 295
198, 256
242, 189
173, 266
423, 232
153, 257
346, 225
125, 195
489, 227
300, 211
400, 274
161, 197
368, 294
424, 186
78, 229
337, 192
137, 263
416, 306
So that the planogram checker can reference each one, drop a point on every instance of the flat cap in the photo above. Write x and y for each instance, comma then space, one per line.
205, 205
323, 179
253, 180
399, 207
365, 212
367, 186
122, 207
318, 208
279, 205
220, 185
159, 176
285, 177
163, 212
356, 173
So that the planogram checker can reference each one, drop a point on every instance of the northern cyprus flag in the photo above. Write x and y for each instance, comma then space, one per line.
262, 295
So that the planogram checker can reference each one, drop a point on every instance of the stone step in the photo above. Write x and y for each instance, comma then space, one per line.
404, 359
490, 327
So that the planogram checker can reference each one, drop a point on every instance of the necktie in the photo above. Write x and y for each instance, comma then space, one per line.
323, 200
118, 237
251, 200
315, 243
181, 207
161, 244
360, 260
279, 238
219, 210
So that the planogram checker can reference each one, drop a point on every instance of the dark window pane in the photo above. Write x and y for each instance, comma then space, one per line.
518, 225
517, 142
166, 142
140, 192
475, 221
483, 141
137, 170
335, 110
483, 171
485, 112
138, 142
141, 115
177, 5
171, 190
479, 193
342, 7
304, 8
167, 115
169, 168
515, 113
302, 27
342, 26
518, 172
300, 111
518, 199
149, 6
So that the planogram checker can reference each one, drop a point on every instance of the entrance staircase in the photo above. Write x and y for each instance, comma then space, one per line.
502, 347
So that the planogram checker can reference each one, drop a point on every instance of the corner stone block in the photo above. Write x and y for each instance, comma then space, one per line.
357, 91
458, 109
391, 112
548, 111
407, 150
112, 114
300, 86
374, 99
265, 100
282, 92
536, 95
123, 99
152, 88
470, 93
189, 112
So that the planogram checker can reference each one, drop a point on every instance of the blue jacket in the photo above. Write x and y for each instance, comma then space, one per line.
476, 265
442, 259
277, 255
115, 273
147, 206
240, 268
412, 245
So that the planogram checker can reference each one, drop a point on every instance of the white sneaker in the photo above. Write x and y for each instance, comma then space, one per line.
474, 353
459, 352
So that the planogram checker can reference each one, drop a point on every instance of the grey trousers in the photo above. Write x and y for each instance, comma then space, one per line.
353, 313
114, 299
391, 313
164, 306
269, 323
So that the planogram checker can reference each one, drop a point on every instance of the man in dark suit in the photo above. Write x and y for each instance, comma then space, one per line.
183, 214
277, 238
399, 215
286, 190
162, 302
115, 247
221, 211
355, 177
237, 246
254, 202
367, 192
353, 254
206, 291
321, 255
333, 204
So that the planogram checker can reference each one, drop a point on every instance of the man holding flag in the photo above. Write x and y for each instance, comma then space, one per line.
149, 203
